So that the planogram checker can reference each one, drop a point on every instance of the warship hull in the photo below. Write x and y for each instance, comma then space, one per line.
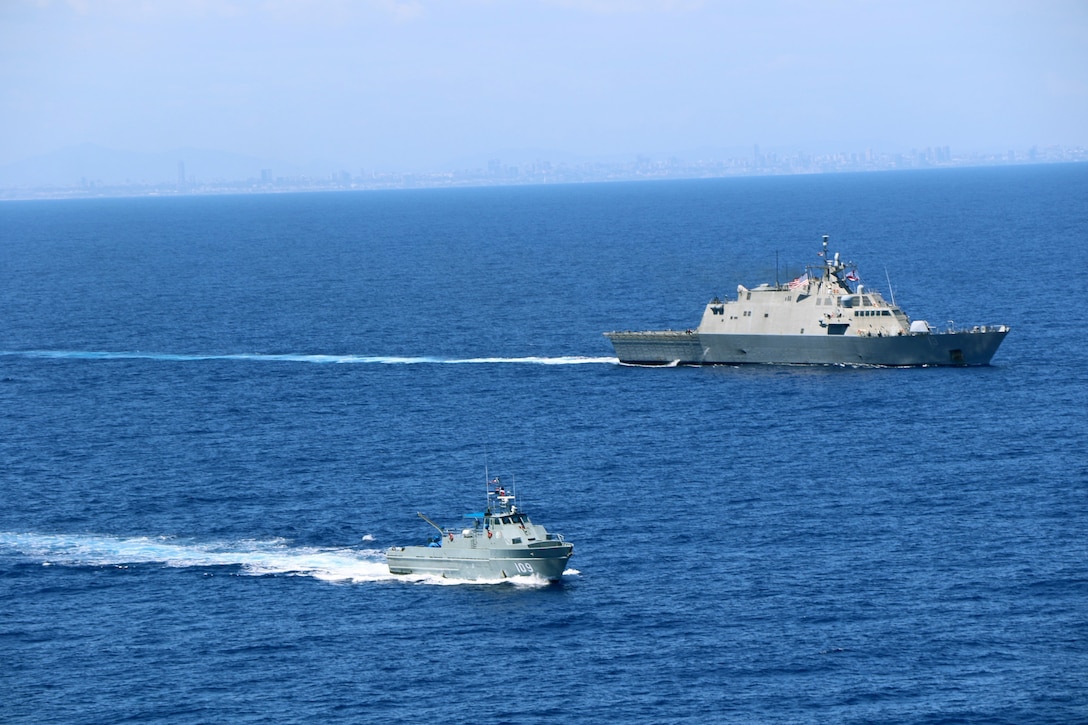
454, 562
960, 348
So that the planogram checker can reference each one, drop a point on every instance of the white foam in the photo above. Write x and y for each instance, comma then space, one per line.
252, 557
317, 359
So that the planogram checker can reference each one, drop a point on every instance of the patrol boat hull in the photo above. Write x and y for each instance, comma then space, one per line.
489, 564
824, 317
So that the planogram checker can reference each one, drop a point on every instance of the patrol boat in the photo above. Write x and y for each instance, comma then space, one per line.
497, 543
823, 317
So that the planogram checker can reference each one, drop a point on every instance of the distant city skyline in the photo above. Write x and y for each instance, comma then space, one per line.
111, 166
421, 86
496, 172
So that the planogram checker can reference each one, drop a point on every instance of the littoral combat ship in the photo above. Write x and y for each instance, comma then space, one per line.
823, 317
500, 542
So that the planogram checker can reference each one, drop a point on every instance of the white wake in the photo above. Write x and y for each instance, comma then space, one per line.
305, 358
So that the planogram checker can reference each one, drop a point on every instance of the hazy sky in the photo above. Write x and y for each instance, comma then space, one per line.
421, 84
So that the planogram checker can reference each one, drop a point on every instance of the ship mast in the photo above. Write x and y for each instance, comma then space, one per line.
826, 276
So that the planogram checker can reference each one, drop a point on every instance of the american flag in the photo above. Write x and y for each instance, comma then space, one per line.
799, 281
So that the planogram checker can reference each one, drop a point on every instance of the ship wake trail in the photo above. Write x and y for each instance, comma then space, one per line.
308, 358
258, 558
252, 558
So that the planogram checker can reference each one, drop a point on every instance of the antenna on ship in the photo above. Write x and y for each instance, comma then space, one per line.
487, 484
776, 282
890, 290
827, 262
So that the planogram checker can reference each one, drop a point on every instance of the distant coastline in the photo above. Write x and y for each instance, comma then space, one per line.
497, 173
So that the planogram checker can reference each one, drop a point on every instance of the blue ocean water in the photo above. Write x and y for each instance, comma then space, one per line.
215, 413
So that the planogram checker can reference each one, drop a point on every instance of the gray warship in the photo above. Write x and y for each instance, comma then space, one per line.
497, 543
823, 317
